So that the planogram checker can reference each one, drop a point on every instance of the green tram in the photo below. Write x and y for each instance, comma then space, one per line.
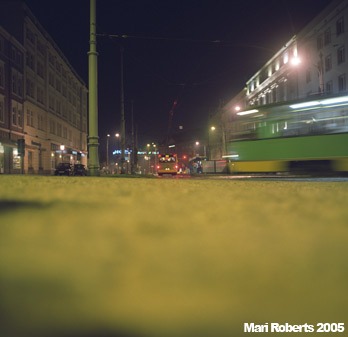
310, 136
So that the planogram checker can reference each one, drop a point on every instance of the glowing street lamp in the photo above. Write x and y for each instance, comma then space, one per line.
212, 130
295, 61
107, 152
197, 148
118, 136
62, 148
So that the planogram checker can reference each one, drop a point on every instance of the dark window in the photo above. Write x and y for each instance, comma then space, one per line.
30, 36
30, 60
340, 26
2, 75
341, 55
40, 69
327, 37
308, 76
1, 44
328, 63
320, 42
342, 82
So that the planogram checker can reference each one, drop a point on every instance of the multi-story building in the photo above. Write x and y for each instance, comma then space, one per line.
42, 99
323, 46
12, 56
312, 63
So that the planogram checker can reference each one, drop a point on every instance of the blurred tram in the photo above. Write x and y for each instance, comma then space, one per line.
167, 164
307, 136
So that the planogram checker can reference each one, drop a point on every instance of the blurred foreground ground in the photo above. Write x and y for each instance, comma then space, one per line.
88, 256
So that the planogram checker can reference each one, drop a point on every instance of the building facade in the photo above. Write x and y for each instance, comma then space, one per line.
323, 46
12, 56
42, 99
311, 64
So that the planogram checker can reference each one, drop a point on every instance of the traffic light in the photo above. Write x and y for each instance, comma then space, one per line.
21, 147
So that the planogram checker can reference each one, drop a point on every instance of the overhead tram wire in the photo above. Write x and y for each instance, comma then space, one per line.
126, 36
219, 43
222, 43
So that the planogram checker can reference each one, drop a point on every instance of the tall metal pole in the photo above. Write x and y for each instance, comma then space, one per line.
123, 126
93, 144
107, 153
133, 143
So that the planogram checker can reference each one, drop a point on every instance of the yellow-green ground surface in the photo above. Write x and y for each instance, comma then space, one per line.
169, 257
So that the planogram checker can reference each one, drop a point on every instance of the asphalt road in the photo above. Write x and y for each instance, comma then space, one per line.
261, 177
196, 256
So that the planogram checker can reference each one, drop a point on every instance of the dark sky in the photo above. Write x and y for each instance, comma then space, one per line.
170, 53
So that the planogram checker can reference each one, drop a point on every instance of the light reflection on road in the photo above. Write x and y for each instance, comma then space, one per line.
273, 177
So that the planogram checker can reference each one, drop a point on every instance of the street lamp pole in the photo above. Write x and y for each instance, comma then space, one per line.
155, 156
62, 149
149, 156
123, 126
197, 148
117, 135
107, 152
212, 129
93, 139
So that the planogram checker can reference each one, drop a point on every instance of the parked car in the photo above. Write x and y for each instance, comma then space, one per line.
63, 169
80, 170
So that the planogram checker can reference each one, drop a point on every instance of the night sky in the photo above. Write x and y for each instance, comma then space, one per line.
172, 53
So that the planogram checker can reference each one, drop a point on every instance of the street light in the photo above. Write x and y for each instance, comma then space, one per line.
196, 147
295, 61
149, 156
117, 135
155, 155
212, 129
62, 148
107, 152
152, 151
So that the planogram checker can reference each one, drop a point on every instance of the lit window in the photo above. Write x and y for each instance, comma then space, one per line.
286, 58
277, 66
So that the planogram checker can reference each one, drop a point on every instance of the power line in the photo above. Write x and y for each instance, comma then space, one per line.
126, 36
222, 43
